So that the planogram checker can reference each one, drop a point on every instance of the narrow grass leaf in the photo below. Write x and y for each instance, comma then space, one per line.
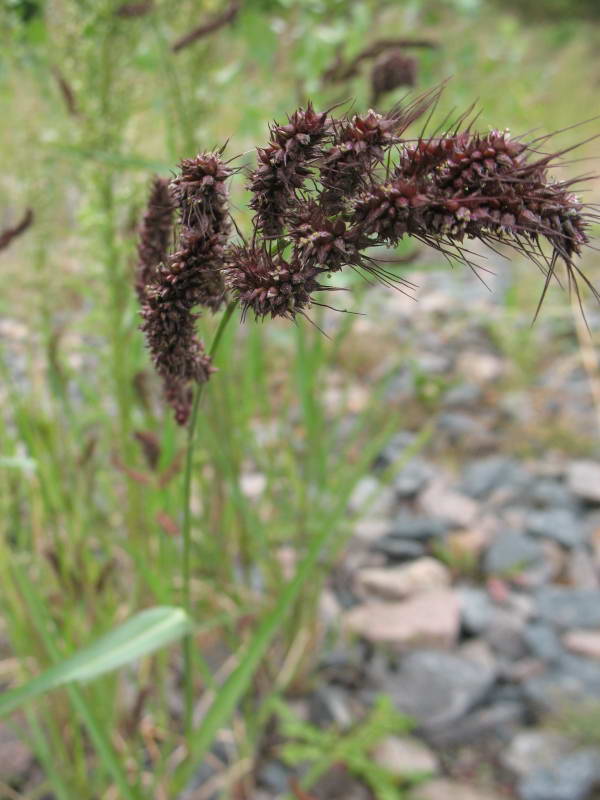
141, 635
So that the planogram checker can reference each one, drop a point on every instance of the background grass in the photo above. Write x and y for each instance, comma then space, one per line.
89, 527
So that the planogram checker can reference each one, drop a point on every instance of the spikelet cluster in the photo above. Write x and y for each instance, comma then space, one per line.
284, 165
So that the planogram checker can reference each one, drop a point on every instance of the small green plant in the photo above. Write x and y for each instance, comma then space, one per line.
319, 750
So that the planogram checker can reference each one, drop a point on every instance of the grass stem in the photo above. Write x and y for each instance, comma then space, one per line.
188, 642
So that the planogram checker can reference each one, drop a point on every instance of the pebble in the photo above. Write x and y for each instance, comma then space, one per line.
413, 478
397, 583
559, 524
499, 721
438, 688
397, 549
572, 777
405, 755
543, 642
372, 497
483, 475
455, 508
583, 643
570, 682
549, 493
453, 790
583, 479
532, 749
582, 570
565, 607
476, 609
468, 544
504, 634
429, 619
511, 551
418, 527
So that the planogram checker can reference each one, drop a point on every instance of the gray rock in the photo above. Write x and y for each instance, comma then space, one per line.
476, 609
499, 720
329, 705
582, 569
457, 424
548, 493
571, 778
274, 776
413, 478
572, 681
569, 608
397, 549
420, 528
543, 642
504, 634
484, 475
461, 395
511, 551
438, 688
533, 749
559, 524
583, 478
395, 449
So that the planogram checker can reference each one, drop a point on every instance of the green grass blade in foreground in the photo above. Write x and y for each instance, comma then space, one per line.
139, 636
238, 682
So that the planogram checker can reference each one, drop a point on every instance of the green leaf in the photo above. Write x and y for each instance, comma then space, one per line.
139, 636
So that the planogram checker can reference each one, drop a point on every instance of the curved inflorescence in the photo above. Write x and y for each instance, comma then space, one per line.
326, 189
191, 276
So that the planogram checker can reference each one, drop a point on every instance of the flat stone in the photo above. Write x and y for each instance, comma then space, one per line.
484, 475
461, 395
412, 478
533, 749
453, 507
569, 608
572, 777
372, 497
438, 688
405, 755
442, 789
583, 479
476, 609
511, 551
418, 527
559, 524
429, 619
370, 529
582, 570
549, 493
396, 583
397, 549
543, 642
583, 643
504, 634
497, 721
572, 681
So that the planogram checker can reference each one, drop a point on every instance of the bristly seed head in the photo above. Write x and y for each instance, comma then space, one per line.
326, 190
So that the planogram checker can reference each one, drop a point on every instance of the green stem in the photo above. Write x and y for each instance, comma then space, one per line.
188, 642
